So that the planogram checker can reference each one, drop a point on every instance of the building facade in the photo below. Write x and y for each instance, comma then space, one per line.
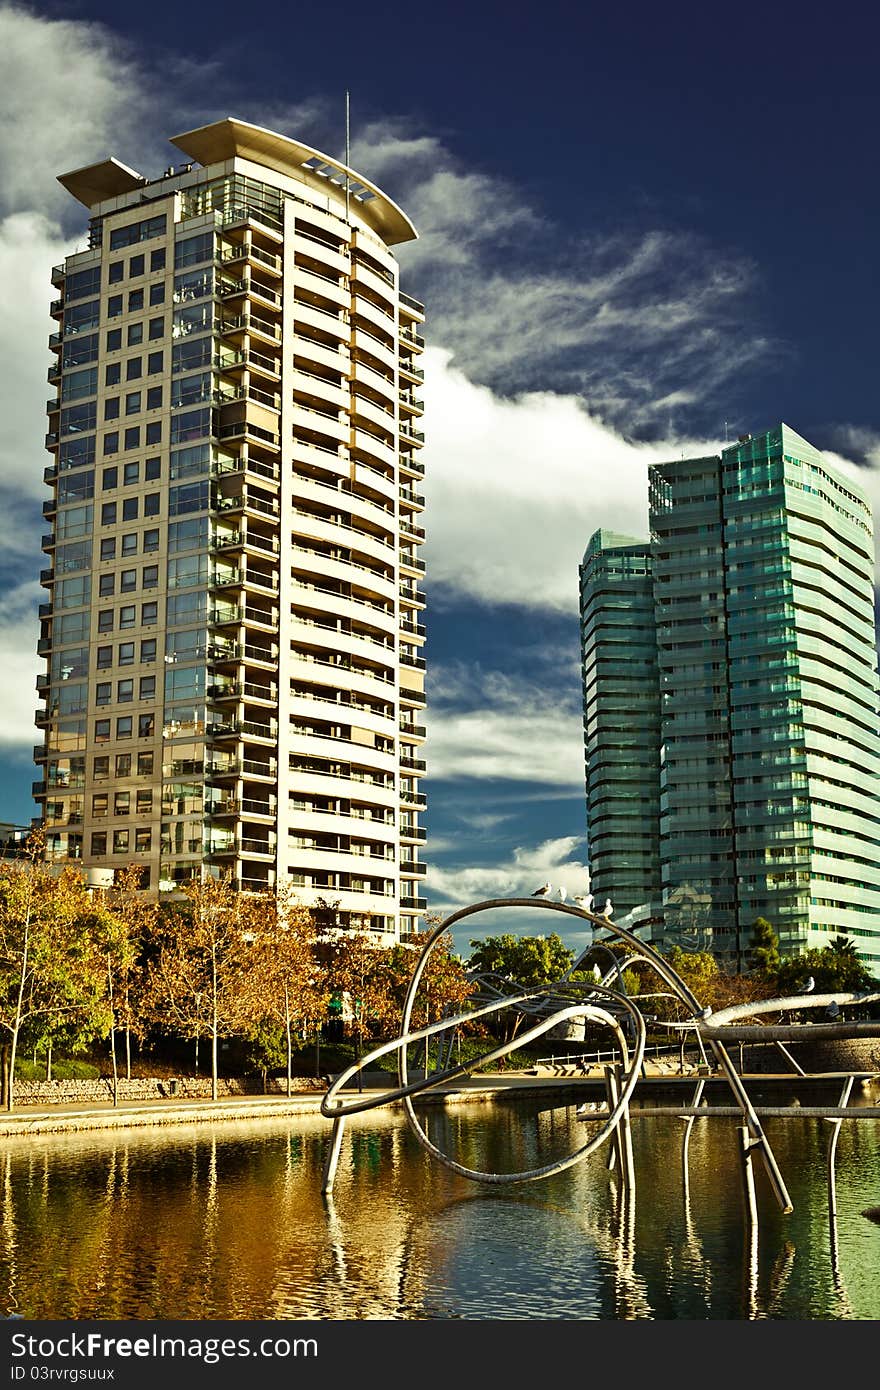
234, 622
767, 708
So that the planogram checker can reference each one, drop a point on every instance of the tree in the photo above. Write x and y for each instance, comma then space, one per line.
197, 980
764, 948
525, 962
136, 918
285, 986
836, 969
444, 987
358, 975
51, 966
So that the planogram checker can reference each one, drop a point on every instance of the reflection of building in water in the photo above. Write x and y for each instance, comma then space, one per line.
731, 702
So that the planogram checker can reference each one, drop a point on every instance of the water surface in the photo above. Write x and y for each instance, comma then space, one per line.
228, 1221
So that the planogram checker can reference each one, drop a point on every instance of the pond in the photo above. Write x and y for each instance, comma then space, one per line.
228, 1221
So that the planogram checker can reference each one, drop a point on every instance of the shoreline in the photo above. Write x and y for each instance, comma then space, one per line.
73, 1118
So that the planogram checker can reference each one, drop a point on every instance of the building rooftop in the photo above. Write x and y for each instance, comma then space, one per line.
232, 138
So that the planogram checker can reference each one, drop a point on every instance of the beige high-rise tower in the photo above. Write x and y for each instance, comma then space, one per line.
233, 630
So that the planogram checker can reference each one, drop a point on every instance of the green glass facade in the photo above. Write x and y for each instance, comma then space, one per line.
621, 719
769, 738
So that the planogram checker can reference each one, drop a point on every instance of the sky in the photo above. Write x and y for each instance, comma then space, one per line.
643, 229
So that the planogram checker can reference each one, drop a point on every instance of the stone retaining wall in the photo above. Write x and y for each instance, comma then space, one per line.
155, 1088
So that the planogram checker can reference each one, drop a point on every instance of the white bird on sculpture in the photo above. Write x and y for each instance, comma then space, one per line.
607, 909
807, 987
562, 895
597, 973
585, 903
542, 891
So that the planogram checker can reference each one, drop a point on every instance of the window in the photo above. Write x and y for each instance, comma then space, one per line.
108, 548
120, 841
104, 658
130, 543
142, 841
132, 437
144, 802
133, 232
115, 272
149, 613
145, 766
151, 502
108, 513
147, 688
131, 473
126, 654
152, 470
99, 804
134, 368
127, 615
107, 585
146, 725
154, 432
112, 373
124, 691
133, 403
100, 767
111, 408
157, 328
111, 443
105, 620
128, 581
130, 509
114, 339
151, 537
154, 398
150, 577
123, 726
148, 649
157, 294
102, 730
123, 764
114, 306
135, 301
155, 363
121, 803
136, 266
109, 478
135, 334
103, 693
99, 842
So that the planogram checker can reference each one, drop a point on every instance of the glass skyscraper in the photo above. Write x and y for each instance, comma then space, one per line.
763, 730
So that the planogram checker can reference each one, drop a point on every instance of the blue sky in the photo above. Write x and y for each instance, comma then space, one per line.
641, 226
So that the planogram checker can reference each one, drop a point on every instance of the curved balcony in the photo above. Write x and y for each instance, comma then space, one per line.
336, 358
324, 320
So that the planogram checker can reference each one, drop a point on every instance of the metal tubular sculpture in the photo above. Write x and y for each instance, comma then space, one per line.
597, 1002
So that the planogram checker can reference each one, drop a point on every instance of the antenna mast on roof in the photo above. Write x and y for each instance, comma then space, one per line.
347, 147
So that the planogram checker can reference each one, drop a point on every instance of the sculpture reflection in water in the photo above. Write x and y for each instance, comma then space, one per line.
599, 1001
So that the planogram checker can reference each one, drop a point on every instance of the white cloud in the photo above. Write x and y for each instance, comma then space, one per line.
556, 861
513, 730
515, 488
18, 661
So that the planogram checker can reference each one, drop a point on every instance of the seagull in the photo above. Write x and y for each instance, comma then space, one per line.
807, 987
585, 903
542, 891
607, 909
562, 895
597, 973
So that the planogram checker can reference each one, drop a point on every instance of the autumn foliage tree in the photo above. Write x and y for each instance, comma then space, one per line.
284, 991
197, 980
52, 966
